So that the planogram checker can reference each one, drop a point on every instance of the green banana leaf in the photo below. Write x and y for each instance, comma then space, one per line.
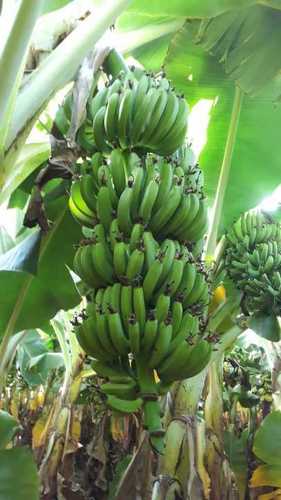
24, 256
34, 359
266, 326
182, 8
255, 169
151, 55
6, 241
18, 475
267, 441
30, 300
236, 451
246, 42
31, 157
50, 5
8, 427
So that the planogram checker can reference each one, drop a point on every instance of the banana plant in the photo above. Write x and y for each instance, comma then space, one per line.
213, 53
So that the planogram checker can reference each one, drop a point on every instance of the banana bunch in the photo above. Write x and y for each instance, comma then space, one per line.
139, 198
133, 342
135, 112
164, 197
117, 322
252, 259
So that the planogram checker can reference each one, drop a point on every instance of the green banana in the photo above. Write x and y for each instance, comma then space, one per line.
196, 229
162, 343
118, 170
141, 91
139, 115
124, 211
135, 264
165, 184
134, 335
175, 136
146, 206
78, 201
110, 118
149, 334
190, 215
126, 390
123, 125
127, 308
153, 96
179, 218
152, 278
99, 131
177, 315
167, 120
186, 361
102, 266
120, 259
150, 249
139, 306
114, 371
114, 234
98, 101
117, 334
188, 280
163, 214
123, 405
88, 192
115, 297
136, 236
173, 279
162, 307
138, 175
88, 268
104, 207
168, 250
187, 329
103, 334
199, 287
155, 117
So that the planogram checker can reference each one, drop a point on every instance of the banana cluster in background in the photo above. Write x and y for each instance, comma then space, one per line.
144, 216
252, 259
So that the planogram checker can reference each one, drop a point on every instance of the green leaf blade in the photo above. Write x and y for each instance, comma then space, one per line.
266, 325
30, 301
24, 256
8, 427
255, 169
267, 442
18, 475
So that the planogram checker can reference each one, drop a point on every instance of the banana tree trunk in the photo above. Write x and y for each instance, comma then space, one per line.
222, 486
178, 471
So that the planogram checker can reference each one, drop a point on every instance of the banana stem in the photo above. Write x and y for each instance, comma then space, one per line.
12, 58
222, 312
114, 63
151, 406
224, 174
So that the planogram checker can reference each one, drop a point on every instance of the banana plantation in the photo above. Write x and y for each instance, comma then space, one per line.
140, 250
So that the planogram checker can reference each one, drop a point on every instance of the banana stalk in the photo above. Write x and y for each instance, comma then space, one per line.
216, 463
152, 418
